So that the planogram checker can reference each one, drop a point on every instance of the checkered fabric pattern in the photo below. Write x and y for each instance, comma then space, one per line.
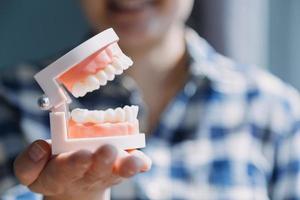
232, 132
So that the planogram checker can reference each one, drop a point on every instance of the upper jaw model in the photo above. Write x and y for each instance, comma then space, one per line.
85, 69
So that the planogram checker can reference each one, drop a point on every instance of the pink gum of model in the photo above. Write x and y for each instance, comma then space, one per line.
49, 80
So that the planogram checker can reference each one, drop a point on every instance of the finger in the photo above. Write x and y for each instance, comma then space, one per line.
146, 160
61, 172
103, 161
29, 164
129, 166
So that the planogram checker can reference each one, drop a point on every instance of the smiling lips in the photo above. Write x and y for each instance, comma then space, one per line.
88, 76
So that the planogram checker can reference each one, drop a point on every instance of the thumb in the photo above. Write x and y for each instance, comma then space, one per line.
29, 164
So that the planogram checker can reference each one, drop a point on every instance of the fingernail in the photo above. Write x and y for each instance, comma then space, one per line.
107, 155
107, 160
36, 152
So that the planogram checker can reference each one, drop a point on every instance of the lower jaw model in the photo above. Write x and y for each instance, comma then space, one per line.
82, 128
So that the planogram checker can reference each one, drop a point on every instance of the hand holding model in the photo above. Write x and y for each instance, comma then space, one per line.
87, 154
77, 175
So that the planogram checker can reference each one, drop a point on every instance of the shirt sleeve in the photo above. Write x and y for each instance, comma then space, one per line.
21, 121
11, 138
20, 192
285, 180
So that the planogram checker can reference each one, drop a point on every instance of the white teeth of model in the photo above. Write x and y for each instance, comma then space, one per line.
79, 90
79, 115
96, 117
120, 115
118, 66
92, 83
134, 111
123, 61
128, 115
110, 72
109, 115
127, 62
102, 77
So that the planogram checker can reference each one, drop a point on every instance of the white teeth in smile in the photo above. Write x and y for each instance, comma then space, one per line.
126, 114
131, 4
93, 82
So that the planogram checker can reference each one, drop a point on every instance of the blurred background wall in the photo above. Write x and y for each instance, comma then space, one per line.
31, 30
284, 37
261, 32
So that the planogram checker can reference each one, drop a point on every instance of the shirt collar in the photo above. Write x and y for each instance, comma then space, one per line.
221, 73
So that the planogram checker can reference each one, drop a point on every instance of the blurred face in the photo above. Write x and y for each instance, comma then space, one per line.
137, 22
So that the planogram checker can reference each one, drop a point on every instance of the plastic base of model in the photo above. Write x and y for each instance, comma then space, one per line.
92, 144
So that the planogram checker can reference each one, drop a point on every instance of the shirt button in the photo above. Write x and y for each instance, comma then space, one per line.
190, 89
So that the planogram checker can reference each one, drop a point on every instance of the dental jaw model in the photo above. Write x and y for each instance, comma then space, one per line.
85, 69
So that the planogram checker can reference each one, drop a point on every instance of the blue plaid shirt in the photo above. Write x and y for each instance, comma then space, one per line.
232, 132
